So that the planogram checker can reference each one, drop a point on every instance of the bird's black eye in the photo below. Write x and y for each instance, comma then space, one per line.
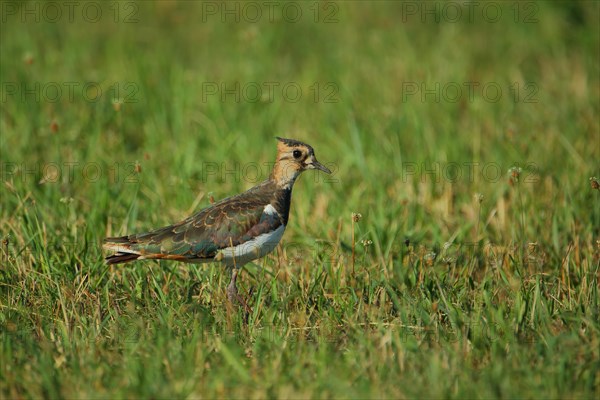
297, 153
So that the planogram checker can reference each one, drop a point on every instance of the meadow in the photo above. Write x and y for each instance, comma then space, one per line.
454, 252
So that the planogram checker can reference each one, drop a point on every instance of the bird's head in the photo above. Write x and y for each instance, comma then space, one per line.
293, 157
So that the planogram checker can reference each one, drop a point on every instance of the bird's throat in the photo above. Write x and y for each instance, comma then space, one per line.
285, 174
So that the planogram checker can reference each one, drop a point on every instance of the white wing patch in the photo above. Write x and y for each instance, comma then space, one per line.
269, 209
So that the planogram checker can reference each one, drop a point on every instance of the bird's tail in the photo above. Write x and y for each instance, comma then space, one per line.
122, 248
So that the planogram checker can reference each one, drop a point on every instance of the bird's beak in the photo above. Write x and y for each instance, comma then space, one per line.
317, 165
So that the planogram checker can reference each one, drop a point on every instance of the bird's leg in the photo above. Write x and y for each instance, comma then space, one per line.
234, 297
232, 292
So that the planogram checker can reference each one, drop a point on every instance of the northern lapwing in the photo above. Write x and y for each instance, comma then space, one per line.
233, 231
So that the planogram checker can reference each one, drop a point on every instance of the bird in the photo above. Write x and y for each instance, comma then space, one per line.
233, 231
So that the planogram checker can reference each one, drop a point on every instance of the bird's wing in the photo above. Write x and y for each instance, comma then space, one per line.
200, 236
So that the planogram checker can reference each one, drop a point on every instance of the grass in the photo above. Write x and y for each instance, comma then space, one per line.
464, 276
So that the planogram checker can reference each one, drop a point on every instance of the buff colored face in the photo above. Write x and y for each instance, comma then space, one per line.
300, 158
